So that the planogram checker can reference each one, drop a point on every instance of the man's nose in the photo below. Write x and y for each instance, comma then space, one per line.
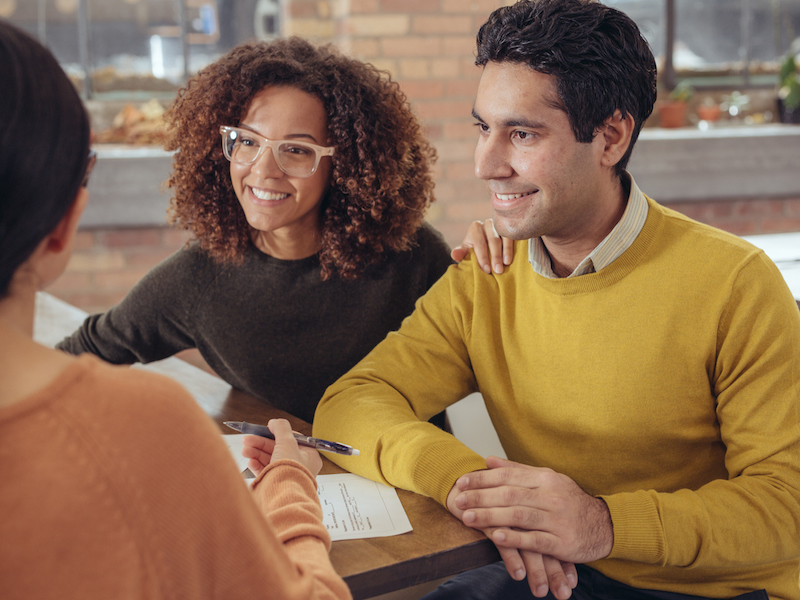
492, 160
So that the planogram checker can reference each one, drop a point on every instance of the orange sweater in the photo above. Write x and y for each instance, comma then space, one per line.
114, 484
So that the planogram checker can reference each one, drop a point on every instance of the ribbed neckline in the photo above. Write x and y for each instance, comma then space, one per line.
281, 263
614, 272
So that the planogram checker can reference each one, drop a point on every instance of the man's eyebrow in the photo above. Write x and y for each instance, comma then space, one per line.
515, 122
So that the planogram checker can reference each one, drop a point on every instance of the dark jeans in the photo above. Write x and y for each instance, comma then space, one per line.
494, 583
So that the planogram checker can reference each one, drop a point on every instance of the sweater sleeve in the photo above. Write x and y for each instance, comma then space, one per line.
755, 377
152, 322
381, 406
286, 492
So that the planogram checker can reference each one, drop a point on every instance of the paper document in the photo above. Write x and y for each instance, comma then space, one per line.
355, 508
234, 443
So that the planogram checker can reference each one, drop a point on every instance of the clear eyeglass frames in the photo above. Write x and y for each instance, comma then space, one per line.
298, 159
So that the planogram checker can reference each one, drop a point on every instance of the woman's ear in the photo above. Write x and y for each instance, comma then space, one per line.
616, 132
49, 260
63, 235
51, 257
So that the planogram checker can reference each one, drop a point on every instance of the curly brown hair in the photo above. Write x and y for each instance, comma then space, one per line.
381, 183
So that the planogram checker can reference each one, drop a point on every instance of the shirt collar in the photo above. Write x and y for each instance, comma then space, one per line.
610, 249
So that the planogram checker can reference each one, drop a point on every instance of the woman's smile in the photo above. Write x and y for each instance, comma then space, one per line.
267, 197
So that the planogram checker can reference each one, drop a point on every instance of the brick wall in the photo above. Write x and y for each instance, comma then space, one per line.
745, 217
106, 263
428, 47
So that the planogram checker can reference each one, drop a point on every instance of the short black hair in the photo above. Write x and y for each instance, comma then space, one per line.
44, 147
597, 55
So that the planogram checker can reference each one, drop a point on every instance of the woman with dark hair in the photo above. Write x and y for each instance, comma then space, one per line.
304, 177
81, 516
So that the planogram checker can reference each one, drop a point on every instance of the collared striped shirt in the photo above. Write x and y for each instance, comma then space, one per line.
607, 251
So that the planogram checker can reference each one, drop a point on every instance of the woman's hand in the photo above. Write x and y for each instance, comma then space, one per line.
260, 451
489, 247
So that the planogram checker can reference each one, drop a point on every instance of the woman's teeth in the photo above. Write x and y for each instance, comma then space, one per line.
264, 195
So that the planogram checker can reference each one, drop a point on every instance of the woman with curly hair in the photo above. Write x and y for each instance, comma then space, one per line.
304, 177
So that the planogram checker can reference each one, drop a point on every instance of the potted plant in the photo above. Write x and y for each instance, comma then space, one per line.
789, 91
673, 110
709, 110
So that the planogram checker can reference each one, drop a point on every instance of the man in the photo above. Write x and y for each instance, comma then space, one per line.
642, 370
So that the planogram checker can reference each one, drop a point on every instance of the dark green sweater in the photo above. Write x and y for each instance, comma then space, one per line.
270, 327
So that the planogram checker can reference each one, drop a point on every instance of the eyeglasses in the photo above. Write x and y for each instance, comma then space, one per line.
298, 159
90, 162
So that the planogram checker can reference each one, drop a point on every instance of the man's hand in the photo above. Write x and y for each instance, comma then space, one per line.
535, 509
543, 572
489, 247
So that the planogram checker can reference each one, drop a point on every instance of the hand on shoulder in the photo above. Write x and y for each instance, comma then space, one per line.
490, 248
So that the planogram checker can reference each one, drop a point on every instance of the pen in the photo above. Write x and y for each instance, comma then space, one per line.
303, 440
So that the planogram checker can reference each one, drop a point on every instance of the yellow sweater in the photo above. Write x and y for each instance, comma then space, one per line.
668, 384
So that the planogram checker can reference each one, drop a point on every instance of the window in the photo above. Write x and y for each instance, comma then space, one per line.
140, 47
717, 43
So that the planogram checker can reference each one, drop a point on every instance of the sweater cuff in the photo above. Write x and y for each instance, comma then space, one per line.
441, 465
638, 532
288, 462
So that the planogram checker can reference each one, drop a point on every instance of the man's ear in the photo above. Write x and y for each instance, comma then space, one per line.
616, 132
64, 233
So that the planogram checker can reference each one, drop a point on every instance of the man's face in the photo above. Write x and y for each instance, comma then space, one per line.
543, 182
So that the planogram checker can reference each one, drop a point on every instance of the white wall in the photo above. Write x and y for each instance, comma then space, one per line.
471, 424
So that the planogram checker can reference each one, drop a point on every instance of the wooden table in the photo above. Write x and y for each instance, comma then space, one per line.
439, 546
